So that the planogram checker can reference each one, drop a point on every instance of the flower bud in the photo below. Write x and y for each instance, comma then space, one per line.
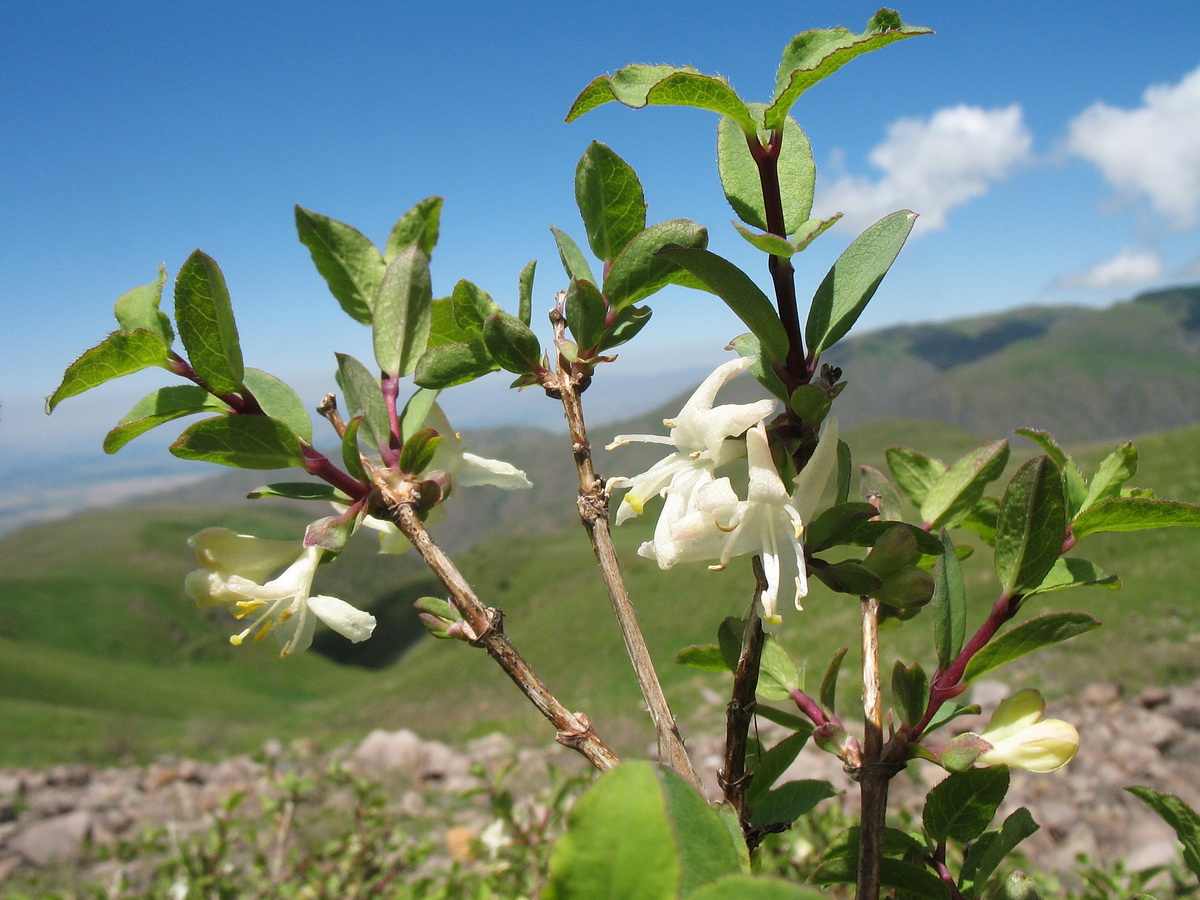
1021, 738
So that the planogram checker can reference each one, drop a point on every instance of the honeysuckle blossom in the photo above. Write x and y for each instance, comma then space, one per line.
1021, 738
769, 522
467, 469
232, 567
700, 436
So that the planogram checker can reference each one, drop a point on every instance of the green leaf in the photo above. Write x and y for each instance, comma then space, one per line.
418, 226
1118, 467
952, 497
962, 806
845, 844
1180, 817
511, 343
910, 691
729, 638
610, 200
331, 533
853, 280
844, 464
767, 243
814, 55
586, 312
350, 453
280, 402
451, 364
416, 411
1071, 573
914, 472
625, 326
948, 713
525, 292
573, 260
908, 588
778, 675
909, 880
769, 766
637, 86
786, 719
445, 329
836, 525
790, 801
628, 85
139, 309
1134, 514
471, 305
121, 353
875, 486
986, 856
1034, 634
753, 887
1076, 488
949, 605
298, 490
742, 183
640, 269
828, 692
1031, 527
244, 442
204, 316
157, 407
707, 658
748, 345
811, 230
362, 392
740, 294
640, 832
417, 452
350, 264
848, 577
403, 312
982, 519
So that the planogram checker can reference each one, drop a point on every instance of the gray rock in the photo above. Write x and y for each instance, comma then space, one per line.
52, 840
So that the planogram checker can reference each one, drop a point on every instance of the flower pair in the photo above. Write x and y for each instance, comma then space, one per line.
234, 571
703, 518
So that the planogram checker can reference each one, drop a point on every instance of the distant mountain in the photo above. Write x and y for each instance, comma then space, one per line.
1083, 374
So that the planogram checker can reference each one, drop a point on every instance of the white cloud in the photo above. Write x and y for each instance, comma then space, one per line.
933, 165
1129, 268
1152, 151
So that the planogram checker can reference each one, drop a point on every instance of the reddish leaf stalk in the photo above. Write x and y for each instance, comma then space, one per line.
947, 685
782, 273
317, 463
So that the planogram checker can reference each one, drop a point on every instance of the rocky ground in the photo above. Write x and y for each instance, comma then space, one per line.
58, 816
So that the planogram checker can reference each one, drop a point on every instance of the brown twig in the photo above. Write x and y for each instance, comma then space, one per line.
593, 511
487, 631
733, 777
873, 777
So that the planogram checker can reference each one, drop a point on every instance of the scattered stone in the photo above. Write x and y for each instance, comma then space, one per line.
1100, 693
47, 816
55, 839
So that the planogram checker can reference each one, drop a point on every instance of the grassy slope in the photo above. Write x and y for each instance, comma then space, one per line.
85, 674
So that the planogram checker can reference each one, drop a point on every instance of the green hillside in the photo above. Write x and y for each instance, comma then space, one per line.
1082, 374
101, 656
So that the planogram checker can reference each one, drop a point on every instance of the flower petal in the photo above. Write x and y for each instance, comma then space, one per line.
346, 620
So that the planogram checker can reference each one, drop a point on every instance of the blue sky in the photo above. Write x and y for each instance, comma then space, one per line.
1053, 151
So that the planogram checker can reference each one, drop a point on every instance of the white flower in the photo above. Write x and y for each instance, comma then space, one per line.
467, 469
699, 435
1021, 738
232, 565
768, 522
